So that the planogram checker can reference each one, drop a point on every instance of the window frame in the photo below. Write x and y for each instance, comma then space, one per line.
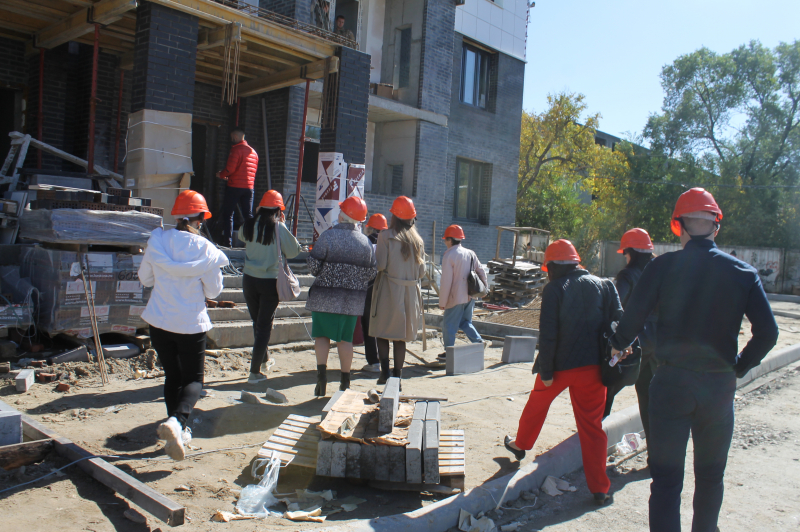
473, 186
481, 72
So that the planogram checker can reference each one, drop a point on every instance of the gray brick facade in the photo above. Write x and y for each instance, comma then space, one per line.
346, 131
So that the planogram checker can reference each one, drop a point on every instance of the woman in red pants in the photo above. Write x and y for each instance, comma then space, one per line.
576, 310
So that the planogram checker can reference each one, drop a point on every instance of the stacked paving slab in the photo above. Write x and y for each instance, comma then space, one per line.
515, 284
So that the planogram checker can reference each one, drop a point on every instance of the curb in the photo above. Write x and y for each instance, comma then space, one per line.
786, 314
562, 459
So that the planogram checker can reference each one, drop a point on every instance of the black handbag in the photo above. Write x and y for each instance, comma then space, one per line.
474, 284
625, 372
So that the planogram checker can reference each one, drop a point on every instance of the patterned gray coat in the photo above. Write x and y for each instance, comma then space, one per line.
343, 262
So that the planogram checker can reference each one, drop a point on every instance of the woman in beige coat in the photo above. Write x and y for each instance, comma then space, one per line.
397, 296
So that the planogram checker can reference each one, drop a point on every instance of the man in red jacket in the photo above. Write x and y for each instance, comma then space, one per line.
240, 173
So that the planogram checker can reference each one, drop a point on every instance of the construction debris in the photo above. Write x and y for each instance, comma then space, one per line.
517, 284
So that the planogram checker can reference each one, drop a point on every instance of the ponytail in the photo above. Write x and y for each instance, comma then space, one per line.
184, 224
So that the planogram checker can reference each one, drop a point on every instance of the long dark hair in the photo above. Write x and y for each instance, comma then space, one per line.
638, 259
266, 220
184, 224
554, 271
410, 241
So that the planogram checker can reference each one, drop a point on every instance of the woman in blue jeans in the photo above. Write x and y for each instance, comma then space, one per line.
261, 267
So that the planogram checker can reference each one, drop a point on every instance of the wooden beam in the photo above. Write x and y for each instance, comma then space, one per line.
258, 51
16, 22
215, 58
22, 454
79, 24
33, 11
289, 77
105, 473
207, 38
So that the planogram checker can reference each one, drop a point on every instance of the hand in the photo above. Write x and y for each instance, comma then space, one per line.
441, 307
217, 174
625, 352
548, 382
283, 217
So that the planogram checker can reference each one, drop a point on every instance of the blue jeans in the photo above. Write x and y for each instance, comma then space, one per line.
233, 196
684, 401
459, 317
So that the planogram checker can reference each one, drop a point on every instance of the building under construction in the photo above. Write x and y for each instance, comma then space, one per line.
427, 94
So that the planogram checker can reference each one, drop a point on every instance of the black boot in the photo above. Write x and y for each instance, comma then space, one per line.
384, 371
398, 372
344, 381
322, 380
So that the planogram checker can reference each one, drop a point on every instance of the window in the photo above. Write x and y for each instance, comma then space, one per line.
468, 190
475, 76
405, 58
395, 172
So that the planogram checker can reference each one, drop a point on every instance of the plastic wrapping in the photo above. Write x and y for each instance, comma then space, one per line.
256, 499
77, 226
120, 298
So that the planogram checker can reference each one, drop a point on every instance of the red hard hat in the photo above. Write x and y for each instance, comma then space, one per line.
560, 250
637, 239
355, 208
190, 202
403, 208
272, 199
378, 221
693, 200
454, 231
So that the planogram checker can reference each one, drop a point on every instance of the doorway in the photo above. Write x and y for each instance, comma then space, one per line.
10, 118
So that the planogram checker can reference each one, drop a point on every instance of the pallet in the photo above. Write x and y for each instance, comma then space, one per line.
296, 440
452, 458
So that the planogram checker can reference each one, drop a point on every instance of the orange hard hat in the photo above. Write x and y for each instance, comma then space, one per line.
272, 199
355, 208
637, 239
378, 221
694, 200
190, 202
560, 250
454, 231
403, 208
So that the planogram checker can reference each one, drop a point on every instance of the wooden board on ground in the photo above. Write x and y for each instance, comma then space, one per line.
295, 440
22, 454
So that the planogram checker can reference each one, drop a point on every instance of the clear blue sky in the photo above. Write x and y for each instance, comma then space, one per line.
613, 51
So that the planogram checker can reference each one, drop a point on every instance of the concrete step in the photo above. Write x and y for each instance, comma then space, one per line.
240, 313
234, 334
235, 281
237, 295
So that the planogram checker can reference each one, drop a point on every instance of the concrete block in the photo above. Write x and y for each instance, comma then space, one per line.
368, 457
430, 452
414, 452
339, 459
420, 409
25, 379
390, 401
397, 464
381, 464
324, 453
10, 428
464, 359
75, 355
519, 349
434, 412
353, 460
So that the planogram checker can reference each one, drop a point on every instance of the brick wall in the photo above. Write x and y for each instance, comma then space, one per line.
164, 59
13, 68
58, 64
435, 57
296, 9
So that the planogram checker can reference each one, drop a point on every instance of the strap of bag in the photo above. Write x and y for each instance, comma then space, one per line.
278, 243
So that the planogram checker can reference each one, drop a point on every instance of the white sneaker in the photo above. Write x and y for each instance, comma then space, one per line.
172, 432
256, 378
186, 436
372, 368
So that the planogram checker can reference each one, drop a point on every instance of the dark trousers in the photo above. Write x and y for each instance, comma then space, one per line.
646, 371
183, 358
370, 342
234, 196
261, 296
684, 401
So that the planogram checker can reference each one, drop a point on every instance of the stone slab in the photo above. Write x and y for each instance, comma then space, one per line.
368, 457
10, 428
397, 464
25, 379
430, 452
324, 455
498, 330
414, 452
434, 412
353, 460
339, 459
390, 401
462, 359
420, 409
381, 463
519, 349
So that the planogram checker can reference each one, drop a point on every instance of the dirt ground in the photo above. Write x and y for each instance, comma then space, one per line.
120, 420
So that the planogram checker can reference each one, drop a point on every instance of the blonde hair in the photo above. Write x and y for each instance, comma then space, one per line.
410, 241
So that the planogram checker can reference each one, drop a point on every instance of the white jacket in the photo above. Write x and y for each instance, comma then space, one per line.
184, 270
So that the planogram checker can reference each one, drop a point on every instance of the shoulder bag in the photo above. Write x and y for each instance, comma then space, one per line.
475, 286
288, 285
625, 372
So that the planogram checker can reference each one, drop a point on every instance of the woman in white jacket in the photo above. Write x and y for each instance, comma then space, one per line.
184, 269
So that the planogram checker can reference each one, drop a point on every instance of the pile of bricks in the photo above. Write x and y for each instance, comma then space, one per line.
516, 284
114, 199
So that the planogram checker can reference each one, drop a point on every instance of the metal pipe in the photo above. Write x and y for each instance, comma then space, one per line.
119, 115
300, 162
237, 112
39, 113
93, 101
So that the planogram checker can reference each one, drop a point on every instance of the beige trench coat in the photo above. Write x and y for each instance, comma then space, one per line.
397, 296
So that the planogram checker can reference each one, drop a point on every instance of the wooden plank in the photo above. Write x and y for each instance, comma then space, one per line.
290, 76
77, 25
22, 454
140, 494
336, 396
297, 436
288, 449
300, 444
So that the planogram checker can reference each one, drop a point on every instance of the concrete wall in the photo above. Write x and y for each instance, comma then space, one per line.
401, 14
370, 40
500, 24
395, 143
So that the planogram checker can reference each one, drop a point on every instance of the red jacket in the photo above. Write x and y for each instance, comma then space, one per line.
241, 167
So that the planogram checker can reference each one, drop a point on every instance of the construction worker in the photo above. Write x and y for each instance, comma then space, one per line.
240, 174
701, 295
376, 224
457, 263
184, 270
575, 307
343, 262
261, 267
397, 296
341, 30
638, 251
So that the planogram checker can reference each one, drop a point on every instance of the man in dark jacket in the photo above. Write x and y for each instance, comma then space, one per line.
576, 310
240, 173
701, 294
